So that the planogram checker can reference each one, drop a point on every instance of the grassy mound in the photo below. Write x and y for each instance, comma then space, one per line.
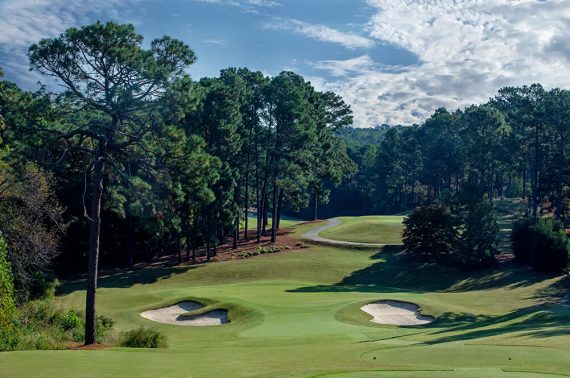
371, 229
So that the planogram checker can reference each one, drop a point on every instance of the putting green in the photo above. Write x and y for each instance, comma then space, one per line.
297, 313
369, 229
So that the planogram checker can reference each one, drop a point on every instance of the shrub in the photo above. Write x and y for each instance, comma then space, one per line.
549, 247
476, 244
41, 286
70, 320
521, 237
8, 313
104, 325
144, 338
428, 232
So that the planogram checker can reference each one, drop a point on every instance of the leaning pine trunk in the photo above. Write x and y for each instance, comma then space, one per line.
94, 235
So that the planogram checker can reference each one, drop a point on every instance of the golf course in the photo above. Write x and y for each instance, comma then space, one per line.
298, 313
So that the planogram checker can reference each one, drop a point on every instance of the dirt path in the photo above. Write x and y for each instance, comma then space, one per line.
314, 235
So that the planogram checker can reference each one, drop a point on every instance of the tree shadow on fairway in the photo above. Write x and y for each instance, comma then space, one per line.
535, 321
395, 271
127, 279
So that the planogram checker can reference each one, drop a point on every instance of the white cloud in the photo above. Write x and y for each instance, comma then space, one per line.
24, 22
246, 6
218, 42
321, 33
361, 65
467, 51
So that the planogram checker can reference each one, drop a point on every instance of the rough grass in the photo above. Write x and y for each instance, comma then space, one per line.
297, 314
370, 229
285, 222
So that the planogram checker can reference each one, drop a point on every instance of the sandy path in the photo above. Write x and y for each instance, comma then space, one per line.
396, 313
314, 235
172, 315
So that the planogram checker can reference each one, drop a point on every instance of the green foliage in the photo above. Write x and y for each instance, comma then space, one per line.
477, 230
8, 314
541, 243
464, 235
70, 320
42, 286
549, 247
429, 233
143, 338
521, 237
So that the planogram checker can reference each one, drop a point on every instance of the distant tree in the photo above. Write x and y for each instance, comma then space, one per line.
105, 70
429, 233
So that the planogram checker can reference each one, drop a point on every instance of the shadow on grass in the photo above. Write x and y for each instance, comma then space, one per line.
127, 279
393, 270
534, 321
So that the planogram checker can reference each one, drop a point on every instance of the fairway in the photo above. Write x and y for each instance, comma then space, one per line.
369, 229
297, 313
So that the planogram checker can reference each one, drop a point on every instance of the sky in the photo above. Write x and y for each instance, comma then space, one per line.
394, 61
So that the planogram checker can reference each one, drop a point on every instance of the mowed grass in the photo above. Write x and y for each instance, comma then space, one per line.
297, 313
369, 229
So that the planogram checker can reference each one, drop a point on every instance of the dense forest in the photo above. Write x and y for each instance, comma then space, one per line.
515, 145
128, 159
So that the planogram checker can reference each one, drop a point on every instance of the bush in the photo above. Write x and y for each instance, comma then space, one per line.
521, 237
549, 247
144, 338
42, 287
476, 244
428, 232
104, 325
70, 320
8, 313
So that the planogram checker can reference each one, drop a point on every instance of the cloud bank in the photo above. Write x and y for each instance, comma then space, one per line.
467, 50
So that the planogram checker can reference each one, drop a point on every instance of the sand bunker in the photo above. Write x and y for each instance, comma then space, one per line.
396, 313
173, 315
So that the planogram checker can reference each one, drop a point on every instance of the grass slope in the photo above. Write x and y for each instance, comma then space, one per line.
369, 229
297, 314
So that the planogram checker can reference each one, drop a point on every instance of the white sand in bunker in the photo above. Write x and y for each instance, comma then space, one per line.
173, 315
396, 313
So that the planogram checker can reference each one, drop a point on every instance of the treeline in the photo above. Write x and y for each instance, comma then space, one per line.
515, 145
136, 160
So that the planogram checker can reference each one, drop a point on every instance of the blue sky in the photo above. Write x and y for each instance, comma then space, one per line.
394, 61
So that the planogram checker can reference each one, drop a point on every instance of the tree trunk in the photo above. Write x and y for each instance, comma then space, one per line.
179, 241
130, 233
257, 193
316, 207
560, 183
534, 184
94, 235
265, 214
274, 210
236, 233
246, 195
279, 207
